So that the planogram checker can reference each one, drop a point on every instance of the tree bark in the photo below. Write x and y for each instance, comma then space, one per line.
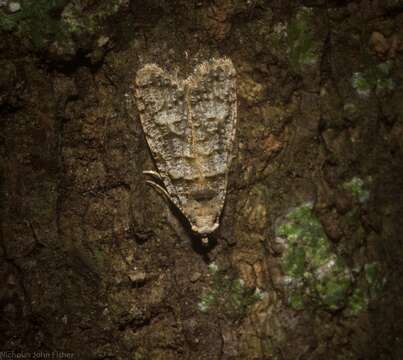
306, 264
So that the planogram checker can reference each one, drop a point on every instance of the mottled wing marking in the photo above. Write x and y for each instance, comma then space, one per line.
190, 127
163, 109
212, 98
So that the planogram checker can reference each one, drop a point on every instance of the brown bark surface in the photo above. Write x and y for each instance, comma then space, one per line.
307, 262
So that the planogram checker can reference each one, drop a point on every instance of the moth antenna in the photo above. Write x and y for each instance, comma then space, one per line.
159, 188
162, 191
153, 173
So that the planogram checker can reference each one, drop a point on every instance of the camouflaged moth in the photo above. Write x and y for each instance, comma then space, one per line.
190, 128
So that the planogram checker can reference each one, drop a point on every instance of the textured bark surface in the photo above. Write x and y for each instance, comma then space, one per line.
307, 262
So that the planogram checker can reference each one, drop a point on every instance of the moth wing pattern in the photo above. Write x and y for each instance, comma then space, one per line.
212, 98
161, 101
190, 128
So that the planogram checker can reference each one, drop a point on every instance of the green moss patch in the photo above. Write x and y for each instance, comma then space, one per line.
227, 295
46, 21
357, 188
302, 47
376, 78
315, 275
38, 20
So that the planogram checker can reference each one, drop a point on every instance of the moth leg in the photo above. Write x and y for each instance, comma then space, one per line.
159, 188
153, 173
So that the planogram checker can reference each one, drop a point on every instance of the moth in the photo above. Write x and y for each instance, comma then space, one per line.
190, 125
